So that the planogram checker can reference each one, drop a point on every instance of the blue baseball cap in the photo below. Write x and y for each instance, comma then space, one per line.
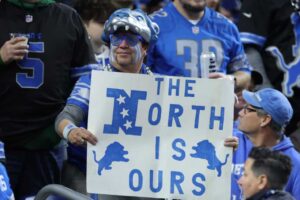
273, 102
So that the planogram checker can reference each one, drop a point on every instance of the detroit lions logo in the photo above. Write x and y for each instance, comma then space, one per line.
159, 13
113, 153
206, 150
291, 70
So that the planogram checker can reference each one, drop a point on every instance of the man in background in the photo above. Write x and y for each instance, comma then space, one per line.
190, 32
270, 32
263, 119
43, 48
266, 173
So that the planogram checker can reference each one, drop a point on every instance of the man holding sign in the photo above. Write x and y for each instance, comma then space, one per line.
129, 34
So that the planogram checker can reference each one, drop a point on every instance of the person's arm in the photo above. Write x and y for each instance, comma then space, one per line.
256, 61
66, 125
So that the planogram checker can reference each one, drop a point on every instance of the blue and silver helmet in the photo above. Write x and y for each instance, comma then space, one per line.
135, 21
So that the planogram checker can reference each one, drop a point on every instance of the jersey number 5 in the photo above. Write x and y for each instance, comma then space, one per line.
35, 77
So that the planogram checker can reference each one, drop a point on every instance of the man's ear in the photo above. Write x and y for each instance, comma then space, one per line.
263, 181
265, 120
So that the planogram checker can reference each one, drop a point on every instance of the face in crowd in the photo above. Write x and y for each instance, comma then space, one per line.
249, 182
127, 51
250, 121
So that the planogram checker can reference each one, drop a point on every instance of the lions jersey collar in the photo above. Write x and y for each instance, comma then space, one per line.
144, 69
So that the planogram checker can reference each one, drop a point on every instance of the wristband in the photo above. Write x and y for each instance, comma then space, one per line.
67, 130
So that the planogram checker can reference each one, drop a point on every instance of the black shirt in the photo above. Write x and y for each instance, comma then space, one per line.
33, 91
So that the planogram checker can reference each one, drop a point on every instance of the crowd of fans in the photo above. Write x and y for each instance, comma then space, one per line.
48, 49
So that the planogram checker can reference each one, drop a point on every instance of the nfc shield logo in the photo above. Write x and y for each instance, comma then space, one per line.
291, 70
124, 111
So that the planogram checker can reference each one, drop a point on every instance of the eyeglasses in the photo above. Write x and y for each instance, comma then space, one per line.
131, 39
248, 110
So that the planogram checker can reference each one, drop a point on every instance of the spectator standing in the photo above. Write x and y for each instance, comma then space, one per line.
35, 80
189, 29
129, 34
94, 13
128, 48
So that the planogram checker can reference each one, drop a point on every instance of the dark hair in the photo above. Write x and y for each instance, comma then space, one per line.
275, 165
97, 10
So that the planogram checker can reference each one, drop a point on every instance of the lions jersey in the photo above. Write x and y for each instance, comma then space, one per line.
274, 28
33, 91
80, 97
6, 192
181, 43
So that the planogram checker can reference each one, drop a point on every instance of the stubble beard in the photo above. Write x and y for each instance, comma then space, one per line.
192, 9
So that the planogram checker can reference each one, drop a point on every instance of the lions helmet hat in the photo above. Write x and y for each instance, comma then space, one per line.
135, 21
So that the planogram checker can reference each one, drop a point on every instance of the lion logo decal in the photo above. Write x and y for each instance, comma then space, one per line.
114, 153
206, 150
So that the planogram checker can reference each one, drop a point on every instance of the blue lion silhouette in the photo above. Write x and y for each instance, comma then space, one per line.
114, 153
206, 150
291, 70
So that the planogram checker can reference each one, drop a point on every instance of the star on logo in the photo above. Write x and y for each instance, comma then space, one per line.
121, 99
128, 124
124, 112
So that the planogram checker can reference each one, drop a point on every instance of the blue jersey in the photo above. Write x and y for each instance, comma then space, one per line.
181, 43
80, 97
103, 57
6, 192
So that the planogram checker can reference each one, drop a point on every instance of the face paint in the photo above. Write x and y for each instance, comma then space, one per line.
112, 56
126, 57
138, 53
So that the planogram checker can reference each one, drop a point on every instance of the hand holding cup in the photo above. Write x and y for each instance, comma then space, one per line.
14, 49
